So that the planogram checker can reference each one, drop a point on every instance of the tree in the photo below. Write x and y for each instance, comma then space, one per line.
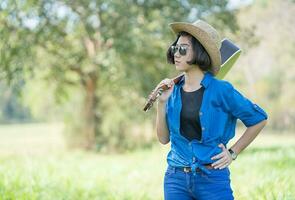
110, 50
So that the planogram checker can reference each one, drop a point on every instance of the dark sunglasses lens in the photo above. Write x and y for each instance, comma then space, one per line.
182, 51
173, 49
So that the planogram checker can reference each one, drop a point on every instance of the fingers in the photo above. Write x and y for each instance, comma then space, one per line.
224, 166
221, 154
168, 82
221, 160
222, 146
221, 163
224, 158
217, 156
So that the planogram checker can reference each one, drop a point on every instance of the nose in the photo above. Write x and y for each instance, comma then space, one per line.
176, 55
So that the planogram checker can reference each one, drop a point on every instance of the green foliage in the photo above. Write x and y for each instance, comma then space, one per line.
265, 71
111, 53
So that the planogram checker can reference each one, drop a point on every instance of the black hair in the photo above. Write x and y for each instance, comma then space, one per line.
200, 56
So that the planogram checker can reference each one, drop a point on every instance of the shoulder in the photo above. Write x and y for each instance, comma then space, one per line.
222, 87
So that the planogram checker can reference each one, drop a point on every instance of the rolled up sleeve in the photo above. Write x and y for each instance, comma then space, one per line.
242, 108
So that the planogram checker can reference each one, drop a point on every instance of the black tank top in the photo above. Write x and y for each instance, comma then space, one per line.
190, 126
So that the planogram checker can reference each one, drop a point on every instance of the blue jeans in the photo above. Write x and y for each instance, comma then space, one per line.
180, 185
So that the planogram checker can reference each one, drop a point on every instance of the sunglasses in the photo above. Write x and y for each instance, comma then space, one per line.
181, 49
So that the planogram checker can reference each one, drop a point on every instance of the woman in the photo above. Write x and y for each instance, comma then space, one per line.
198, 116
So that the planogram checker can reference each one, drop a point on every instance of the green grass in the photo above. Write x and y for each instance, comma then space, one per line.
265, 170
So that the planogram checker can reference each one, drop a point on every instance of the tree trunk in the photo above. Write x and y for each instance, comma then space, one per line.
91, 121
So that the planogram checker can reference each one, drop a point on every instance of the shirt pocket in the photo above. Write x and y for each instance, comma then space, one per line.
218, 122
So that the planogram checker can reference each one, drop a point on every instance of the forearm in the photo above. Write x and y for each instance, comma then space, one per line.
249, 135
162, 130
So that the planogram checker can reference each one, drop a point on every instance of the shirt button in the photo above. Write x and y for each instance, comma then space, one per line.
203, 128
194, 159
200, 113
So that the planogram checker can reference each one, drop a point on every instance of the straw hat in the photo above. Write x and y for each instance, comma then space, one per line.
206, 35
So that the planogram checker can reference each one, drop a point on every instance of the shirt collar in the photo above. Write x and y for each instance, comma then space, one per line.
208, 76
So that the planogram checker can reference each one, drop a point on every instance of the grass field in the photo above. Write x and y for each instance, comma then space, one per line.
34, 164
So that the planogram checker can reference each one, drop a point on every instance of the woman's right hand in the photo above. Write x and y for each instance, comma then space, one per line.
166, 94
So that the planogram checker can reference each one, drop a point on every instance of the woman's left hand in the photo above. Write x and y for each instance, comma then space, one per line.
224, 158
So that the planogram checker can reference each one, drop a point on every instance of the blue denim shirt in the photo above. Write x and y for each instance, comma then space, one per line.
221, 106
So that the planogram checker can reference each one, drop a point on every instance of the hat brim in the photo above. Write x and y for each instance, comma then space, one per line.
203, 38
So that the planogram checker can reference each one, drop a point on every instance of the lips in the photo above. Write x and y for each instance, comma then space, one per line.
176, 61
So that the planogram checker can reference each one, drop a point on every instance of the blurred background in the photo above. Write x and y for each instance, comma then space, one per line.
74, 76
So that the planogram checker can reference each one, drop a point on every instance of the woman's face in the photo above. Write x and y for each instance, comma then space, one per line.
181, 60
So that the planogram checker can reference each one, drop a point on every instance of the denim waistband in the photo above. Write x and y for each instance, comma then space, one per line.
195, 167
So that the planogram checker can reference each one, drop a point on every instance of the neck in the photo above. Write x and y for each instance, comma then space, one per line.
193, 79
